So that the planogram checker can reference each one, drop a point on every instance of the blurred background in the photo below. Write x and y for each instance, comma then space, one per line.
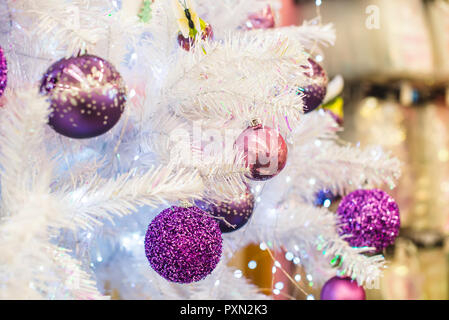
394, 59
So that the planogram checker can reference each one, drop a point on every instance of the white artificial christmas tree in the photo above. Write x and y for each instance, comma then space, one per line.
74, 212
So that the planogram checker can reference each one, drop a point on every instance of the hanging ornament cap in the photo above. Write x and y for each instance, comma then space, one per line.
255, 122
185, 204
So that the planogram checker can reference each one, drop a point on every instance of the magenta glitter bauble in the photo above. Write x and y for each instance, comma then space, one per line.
370, 217
315, 87
264, 151
236, 213
87, 96
3, 72
260, 20
183, 244
187, 43
337, 288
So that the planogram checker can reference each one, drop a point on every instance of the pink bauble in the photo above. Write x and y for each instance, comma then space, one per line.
264, 151
338, 288
263, 19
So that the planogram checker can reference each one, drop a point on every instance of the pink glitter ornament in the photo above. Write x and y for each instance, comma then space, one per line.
370, 218
183, 244
264, 151
337, 288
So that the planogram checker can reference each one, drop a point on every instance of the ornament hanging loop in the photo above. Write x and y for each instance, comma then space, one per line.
255, 122
82, 51
185, 204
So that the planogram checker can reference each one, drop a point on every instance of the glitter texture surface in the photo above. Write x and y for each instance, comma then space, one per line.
338, 288
183, 244
264, 151
3, 72
316, 86
87, 96
236, 212
371, 217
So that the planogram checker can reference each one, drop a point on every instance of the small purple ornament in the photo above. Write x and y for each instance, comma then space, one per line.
87, 96
315, 88
236, 212
370, 217
337, 288
3, 72
187, 43
183, 244
324, 198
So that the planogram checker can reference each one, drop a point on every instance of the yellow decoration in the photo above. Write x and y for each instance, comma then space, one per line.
187, 18
335, 106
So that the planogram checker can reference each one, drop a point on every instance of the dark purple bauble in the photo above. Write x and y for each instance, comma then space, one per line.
87, 96
315, 87
370, 217
3, 72
236, 212
183, 244
337, 288
264, 151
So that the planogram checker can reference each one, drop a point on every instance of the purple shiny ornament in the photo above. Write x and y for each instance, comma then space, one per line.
236, 212
315, 88
371, 217
87, 96
264, 151
260, 20
338, 288
187, 43
183, 244
3, 72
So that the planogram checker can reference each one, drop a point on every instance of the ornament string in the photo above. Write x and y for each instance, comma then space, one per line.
69, 167
284, 272
8, 10
122, 131
318, 14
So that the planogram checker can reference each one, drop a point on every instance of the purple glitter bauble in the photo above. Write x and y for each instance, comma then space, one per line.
183, 244
337, 288
370, 217
315, 88
3, 72
235, 213
87, 96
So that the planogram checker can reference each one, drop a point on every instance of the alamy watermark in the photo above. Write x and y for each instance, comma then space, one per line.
372, 21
